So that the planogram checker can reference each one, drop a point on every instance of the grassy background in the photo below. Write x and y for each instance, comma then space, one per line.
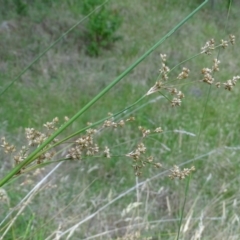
65, 79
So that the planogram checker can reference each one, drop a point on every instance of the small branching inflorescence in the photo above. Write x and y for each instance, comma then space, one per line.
138, 155
162, 83
7, 147
176, 172
84, 146
34, 139
208, 72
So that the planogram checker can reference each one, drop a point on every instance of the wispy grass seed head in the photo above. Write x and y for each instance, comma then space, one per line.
8, 148
162, 83
139, 154
176, 172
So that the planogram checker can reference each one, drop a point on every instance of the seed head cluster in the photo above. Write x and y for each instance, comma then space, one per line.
210, 45
229, 84
184, 74
209, 72
34, 139
84, 146
176, 172
145, 132
8, 148
22, 154
163, 84
140, 160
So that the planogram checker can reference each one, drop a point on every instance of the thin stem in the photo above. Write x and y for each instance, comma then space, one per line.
186, 60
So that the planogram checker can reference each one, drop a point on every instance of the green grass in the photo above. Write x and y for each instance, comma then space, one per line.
65, 79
